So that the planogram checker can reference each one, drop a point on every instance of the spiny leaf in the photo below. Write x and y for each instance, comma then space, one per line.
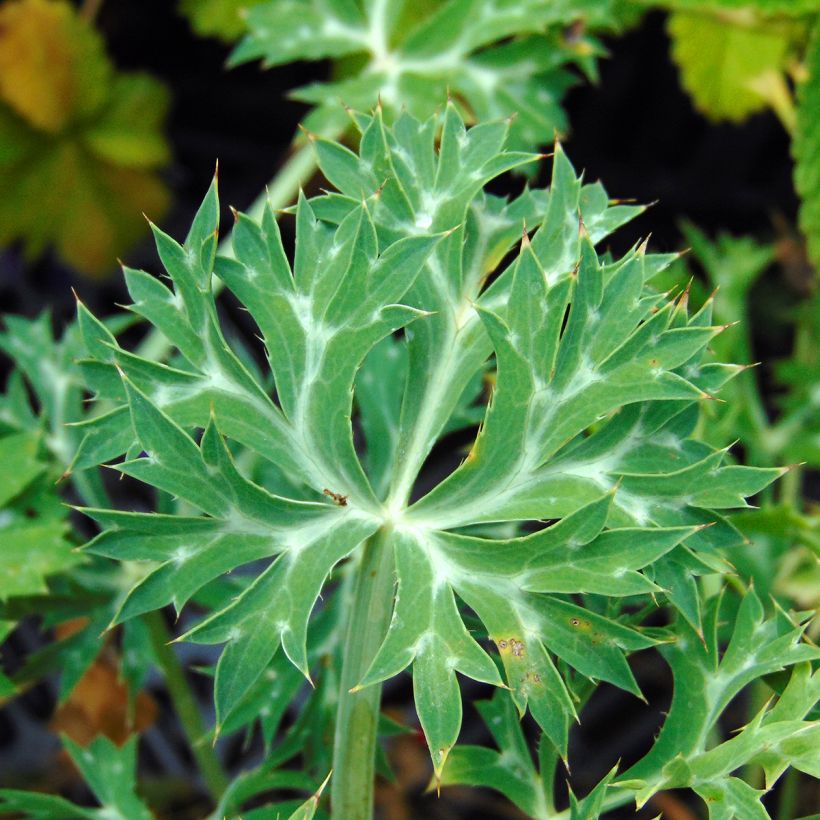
408, 57
589, 429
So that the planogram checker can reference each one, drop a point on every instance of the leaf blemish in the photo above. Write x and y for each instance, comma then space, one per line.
337, 498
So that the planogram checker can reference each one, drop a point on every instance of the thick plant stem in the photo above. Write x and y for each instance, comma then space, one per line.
186, 706
357, 716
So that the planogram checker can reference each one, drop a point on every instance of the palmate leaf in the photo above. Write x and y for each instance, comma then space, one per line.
589, 427
705, 681
496, 57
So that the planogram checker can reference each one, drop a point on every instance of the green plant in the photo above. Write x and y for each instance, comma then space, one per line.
73, 129
584, 505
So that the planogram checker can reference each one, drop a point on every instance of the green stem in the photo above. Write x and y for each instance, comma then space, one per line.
186, 707
789, 794
357, 716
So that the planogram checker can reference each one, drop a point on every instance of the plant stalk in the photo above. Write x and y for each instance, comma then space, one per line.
186, 706
357, 716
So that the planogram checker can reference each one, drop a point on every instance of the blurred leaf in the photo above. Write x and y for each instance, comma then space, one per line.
720, 60
785, 7
217, 18
109, 771
495, 59
99, 704
74, 131
32, 547
53, 68
806, 148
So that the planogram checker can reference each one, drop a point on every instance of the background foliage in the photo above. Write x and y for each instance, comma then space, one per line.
89, 133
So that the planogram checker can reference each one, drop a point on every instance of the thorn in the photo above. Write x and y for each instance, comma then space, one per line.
310, 136
683, 300
234, 213
545, 155
378, 192
357, 688
216, 171
583, 233
76, 296
721, 328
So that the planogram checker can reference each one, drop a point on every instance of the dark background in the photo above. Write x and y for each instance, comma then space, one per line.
636, 131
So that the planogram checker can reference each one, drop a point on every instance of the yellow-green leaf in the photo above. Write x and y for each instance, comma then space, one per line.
807, 148
53, 67
79, 143
720, 61
217, 18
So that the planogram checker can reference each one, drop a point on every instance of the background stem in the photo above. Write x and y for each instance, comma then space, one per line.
357, 717
186, 706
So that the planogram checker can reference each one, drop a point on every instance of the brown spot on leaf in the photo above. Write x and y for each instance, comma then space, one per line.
337, 498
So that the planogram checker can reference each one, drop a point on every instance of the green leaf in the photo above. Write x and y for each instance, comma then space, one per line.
407, 289
72, 129
721, 61
496, 58
706, 680
784, 7
19, 465
110, 773
509, 769
806, 148
217, 18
